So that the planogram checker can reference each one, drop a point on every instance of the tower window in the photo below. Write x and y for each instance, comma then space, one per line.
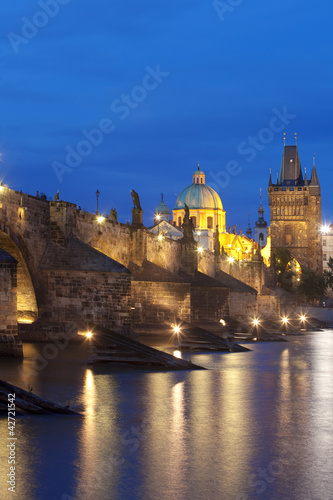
324, 256
194, 221
324, 243
210, 222
201, 180
179, 221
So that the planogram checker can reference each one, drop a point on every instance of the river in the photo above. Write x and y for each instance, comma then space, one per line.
254, 425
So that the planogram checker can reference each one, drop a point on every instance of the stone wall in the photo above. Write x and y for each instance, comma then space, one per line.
10, 345
88, 298
164, 253
158, 302
252, 273
268, 306
206, 263
243, 305
209, 304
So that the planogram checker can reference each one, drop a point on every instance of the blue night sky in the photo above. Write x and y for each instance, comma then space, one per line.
167, 84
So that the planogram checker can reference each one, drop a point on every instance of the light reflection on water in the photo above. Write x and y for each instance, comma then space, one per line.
255, 425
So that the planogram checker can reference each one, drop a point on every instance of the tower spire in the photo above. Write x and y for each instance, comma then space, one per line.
284, 138
296, 138
270, 177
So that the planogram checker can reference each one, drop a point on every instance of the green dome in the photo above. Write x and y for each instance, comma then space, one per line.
162, 208
198, 195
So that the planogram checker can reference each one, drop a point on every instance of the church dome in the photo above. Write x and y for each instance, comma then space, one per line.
198, 195
162, 208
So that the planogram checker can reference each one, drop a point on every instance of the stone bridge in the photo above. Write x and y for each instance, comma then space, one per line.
74, 268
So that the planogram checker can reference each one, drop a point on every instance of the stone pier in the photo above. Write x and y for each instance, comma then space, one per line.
10, 344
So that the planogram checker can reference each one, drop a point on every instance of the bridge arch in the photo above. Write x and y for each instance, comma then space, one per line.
27, 305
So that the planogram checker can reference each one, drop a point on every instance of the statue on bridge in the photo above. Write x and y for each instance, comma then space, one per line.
56, 198
113, 215
217, 248
187, 224
136, 199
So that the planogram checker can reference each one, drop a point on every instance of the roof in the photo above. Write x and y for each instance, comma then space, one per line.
202, 280
79, 256
152, 272
198, 196
234, 284
5, 257
291, 173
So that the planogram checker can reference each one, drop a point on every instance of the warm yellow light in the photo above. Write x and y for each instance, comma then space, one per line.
229, 245
199, 233
303, 318
238, 249
222, 322
231, 259
25, 320
200, 249
100, 219
158, 217
256, 322
89, 335
160, 237
285, 320
176, 329
177, 354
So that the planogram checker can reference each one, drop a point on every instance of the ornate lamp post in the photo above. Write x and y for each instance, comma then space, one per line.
97, 196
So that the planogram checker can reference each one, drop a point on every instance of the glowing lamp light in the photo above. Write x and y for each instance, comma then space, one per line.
325, 229
89, 335
285, 320
177, 354
223, 323
160, 237
231, 259
158, 217
256, 322
200, 249
199, 233
176, 329
100, 219
303, 318
229, 245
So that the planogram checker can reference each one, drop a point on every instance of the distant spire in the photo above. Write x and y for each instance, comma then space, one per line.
162, 194
270, 177
296, 138
249, 229
284, 138
277, 177
305, 177
314, 177
260, 197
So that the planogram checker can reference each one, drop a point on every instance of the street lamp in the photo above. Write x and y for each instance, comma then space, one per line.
97, 196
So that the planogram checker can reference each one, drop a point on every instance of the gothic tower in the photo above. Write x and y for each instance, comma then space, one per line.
295, 205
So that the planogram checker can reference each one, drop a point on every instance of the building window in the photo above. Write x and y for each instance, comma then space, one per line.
194, 221
324, 243
210, 222
179, 221
201, 180
324, 256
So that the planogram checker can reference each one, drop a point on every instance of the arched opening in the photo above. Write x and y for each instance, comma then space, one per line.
27, 310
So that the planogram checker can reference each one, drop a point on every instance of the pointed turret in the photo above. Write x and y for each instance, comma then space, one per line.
290, 173
270, 178
314, 177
